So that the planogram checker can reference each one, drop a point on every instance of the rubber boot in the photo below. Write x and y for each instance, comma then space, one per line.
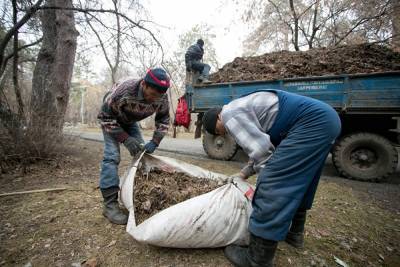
295, 236
203, 79
111, 209
260, 253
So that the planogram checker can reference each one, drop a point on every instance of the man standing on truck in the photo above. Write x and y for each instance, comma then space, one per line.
287, 138
193, 61
127, 103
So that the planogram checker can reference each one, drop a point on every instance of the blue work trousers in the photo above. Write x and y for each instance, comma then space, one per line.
303, 134
202, 68
109, 166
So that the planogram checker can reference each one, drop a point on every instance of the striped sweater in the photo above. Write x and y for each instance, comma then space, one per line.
125, 104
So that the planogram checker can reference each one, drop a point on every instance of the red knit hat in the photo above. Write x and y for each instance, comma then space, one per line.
158, 79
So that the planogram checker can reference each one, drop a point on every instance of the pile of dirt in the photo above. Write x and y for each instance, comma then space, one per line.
160, 190
352, 59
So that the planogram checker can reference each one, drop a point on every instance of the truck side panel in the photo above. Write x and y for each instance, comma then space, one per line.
373, 93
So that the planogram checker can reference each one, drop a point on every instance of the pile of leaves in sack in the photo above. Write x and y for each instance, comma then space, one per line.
351, 59
159, 190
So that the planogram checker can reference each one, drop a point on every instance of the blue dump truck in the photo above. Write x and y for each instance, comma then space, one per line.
368, 105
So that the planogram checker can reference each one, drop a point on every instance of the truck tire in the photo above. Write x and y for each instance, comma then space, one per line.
219, 147
365, 157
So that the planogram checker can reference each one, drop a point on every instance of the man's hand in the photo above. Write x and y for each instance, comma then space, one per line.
133, 146
150, 147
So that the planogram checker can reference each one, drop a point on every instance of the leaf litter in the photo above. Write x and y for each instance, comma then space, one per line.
157, 190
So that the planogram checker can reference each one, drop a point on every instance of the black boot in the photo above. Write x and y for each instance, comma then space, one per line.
260, 253
111, 209
295, 236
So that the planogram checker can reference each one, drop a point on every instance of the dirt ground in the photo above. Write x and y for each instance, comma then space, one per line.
359, 223
363, 58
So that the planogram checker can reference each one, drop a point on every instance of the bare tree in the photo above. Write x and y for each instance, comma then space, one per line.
311, 28
52, 74
113, 65
317, 23
10, 33
295, 28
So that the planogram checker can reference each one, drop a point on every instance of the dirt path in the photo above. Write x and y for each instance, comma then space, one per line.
61, 228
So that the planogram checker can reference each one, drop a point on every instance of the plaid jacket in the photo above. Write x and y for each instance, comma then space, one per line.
247, 120
125, 104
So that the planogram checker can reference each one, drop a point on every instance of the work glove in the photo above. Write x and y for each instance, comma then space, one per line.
133, 145
238, 175
150, 147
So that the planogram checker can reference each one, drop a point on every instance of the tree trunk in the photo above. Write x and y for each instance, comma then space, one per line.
295, 27
396, 25
15, 65
314, 25
53, 71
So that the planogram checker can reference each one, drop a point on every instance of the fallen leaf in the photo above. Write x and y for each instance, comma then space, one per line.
147, 205
92, 262
340, 262
323, 232
345, 245
112, 243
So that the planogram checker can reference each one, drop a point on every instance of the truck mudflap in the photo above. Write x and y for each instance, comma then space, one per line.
397, 129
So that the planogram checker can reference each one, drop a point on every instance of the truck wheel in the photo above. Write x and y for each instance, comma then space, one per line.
365, 156
219, 147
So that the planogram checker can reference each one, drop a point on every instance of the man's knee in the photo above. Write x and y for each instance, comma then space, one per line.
112, 158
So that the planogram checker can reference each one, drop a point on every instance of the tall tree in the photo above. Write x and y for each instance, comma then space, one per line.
53, 72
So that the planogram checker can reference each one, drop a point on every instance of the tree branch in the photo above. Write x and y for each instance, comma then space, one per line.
117, 56
17, 90
100, 42
296, 26
9, 56
88, 10
360, 22
7, 37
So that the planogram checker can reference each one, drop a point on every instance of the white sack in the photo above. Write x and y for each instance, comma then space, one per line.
214, 219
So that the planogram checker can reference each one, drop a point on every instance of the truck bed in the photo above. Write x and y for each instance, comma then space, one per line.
376, 93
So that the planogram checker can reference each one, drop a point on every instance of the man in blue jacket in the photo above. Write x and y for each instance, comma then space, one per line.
287, 138
193, 61
129, 102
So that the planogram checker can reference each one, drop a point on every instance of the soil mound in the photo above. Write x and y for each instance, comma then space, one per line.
352, 59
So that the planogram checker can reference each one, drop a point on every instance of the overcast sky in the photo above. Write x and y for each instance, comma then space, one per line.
179, 16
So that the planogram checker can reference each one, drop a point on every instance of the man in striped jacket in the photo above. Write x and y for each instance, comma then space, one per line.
129, 102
